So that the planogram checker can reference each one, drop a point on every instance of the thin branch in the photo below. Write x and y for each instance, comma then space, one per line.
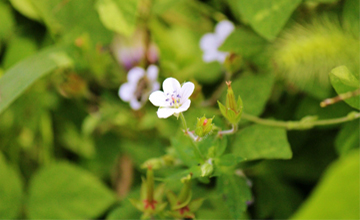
303, 124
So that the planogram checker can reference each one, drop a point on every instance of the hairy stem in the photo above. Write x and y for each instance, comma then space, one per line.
191, 136
301, 125
227, 132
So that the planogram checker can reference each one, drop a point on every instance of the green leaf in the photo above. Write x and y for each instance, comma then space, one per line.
7, 21
72, 19
126, 210
254, 90
337, 194
348, 138
118, 15
272, 203
10, 191
262, 142
344, 81
184, 150
267, 17
229, 160
16, 44
17, 79
245, 42
351, 16
235, 193
26, 8
64, 191
74, 141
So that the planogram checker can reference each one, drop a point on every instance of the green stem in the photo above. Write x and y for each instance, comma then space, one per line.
231, 131
196, 149
301, 125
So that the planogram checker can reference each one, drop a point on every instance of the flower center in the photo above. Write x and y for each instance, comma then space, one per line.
141, 88
173, 99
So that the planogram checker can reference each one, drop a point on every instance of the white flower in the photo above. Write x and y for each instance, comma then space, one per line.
174, 99
140, 84
210, 42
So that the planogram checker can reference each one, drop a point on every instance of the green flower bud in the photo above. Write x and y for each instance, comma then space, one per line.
207, 168
154, 163
233, 109
203, 126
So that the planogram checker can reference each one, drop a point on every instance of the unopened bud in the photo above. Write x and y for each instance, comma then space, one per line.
204, 126
233, 109
207, 168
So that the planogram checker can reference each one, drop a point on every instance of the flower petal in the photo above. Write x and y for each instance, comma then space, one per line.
223, 29
135, 104
155, 86
152, 72
135, 74
183, 107
157, 98
126, 91
210, 55
165, 112
186, 90
170, 85
208, 42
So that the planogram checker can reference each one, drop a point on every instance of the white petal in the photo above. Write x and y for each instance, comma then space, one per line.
223, 29
170, 85
157, 98
135, 104
208, 42
210, 56
135, 74
183, 107
165, 112
186, 90
126, 91
152, 72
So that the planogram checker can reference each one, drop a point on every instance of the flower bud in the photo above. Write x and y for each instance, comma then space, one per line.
233, 109
154, 163
203, 126
207, 168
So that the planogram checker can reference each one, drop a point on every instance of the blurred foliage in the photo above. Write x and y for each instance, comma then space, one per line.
71, 149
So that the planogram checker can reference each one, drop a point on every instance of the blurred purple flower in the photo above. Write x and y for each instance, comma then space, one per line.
130, 52
211, 42
139, 86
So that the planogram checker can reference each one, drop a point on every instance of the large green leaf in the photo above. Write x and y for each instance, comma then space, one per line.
235, 193
348, 138
10, 191
72, 19
17, 79
118, 15
344, 81
262, 142
64, 191
244, 42
337, 194
254, 90
267, 17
